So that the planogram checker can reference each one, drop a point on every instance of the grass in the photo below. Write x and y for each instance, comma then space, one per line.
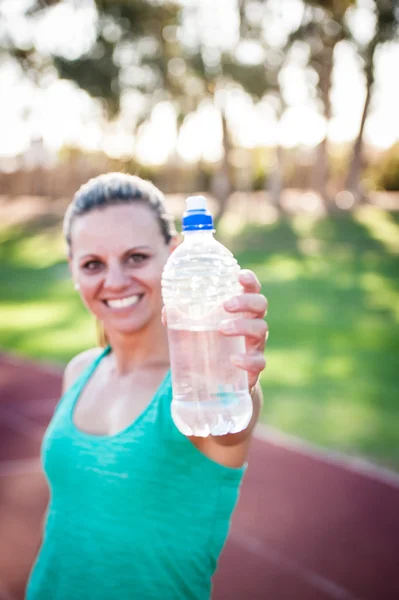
333, 291
41, 314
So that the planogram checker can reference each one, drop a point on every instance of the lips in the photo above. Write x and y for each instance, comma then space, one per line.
123, 302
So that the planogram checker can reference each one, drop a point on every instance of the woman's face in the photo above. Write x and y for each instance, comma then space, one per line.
118, 254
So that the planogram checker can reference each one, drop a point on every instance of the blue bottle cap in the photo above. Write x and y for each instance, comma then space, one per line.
197, 216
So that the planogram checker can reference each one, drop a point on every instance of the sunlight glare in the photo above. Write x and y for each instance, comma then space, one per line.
53, 30
347, 106
301, 125
361, 21
201, 135
156, 139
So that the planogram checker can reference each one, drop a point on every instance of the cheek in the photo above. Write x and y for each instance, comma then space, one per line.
157, 282
151, 275
88, 287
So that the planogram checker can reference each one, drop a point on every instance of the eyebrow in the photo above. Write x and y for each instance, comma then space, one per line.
129, 251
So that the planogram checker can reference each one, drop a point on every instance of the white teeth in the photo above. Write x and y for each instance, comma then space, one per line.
123, 302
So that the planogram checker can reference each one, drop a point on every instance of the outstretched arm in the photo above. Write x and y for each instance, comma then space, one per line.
253, 307
232, 449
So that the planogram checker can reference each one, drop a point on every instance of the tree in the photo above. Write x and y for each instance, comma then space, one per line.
138, 46
386, 29
221, 69
260, 79
322, 28
132, 48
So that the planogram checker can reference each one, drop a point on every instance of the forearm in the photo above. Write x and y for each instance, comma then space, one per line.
257, 404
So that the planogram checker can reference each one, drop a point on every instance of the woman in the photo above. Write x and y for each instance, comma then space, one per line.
137, 510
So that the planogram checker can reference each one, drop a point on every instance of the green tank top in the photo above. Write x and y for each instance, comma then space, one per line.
141, 514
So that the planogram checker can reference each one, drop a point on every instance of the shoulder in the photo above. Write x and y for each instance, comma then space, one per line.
77, 365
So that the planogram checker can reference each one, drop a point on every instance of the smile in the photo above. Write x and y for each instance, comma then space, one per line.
123, 302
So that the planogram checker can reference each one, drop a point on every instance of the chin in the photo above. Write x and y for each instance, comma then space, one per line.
129, 326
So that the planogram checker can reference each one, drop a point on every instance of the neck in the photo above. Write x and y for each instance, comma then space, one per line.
145, 348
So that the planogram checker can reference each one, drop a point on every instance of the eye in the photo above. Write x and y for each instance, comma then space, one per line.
92, 265
136, 258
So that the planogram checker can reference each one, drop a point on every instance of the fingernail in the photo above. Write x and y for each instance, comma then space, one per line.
228, 326
246, 277
267, 334
231, 304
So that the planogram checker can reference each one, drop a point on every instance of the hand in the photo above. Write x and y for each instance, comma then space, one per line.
251, 324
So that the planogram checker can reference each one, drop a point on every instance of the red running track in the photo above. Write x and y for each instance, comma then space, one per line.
306, 527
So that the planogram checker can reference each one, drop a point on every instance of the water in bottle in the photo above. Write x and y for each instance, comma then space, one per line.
210, 394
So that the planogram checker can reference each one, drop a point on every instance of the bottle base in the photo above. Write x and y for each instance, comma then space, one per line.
209, 417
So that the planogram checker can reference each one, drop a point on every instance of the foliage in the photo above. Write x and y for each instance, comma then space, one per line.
385, 173
141, 50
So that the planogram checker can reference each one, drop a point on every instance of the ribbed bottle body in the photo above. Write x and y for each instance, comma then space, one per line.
210, 394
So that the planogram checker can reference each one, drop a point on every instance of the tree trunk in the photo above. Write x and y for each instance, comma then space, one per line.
354, 171
221, 184
353, 177
275, 181
320, 171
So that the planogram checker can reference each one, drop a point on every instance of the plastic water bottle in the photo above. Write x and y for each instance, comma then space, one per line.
210, 394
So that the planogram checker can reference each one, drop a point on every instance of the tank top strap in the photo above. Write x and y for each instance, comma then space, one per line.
74, 390
88, 372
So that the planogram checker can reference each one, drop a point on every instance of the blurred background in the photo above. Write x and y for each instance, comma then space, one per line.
284, 113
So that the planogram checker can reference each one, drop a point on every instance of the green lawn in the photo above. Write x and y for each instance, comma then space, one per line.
333, 291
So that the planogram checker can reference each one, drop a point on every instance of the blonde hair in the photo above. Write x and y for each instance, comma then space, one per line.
112, 189
102, 339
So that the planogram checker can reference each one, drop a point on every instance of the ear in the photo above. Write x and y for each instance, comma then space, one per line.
174, 242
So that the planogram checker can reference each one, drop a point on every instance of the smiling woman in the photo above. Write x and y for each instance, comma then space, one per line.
121, 475
111, 283
113, 275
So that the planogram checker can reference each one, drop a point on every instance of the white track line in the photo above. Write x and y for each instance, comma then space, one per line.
20, 466
261, 550
360, 466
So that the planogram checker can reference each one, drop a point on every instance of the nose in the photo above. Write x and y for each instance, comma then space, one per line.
116, 279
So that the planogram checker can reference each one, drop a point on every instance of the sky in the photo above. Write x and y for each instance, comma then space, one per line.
61, 114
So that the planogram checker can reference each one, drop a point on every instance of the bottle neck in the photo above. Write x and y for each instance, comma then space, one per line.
198, 234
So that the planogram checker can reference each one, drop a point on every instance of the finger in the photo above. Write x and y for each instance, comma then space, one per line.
253, 363
254, 328
249, 281
248, 303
